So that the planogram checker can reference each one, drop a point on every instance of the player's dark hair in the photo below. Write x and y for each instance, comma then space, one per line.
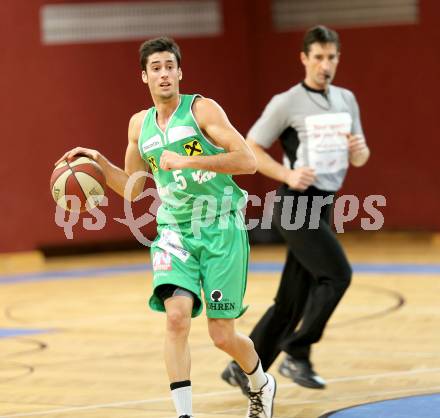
161, 44
322, 35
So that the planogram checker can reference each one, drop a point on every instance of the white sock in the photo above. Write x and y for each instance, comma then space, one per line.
257, 378
182, 398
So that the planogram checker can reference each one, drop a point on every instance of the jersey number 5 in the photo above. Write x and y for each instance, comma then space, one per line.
179, 179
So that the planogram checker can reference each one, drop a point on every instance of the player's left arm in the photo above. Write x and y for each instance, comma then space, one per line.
212, 120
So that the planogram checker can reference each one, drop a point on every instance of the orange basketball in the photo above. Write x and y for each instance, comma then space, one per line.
78, 184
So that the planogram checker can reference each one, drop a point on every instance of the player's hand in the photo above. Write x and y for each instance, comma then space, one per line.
170, 160
301, 178
91, 153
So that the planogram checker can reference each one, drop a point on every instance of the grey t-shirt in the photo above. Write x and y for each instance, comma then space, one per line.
312, 126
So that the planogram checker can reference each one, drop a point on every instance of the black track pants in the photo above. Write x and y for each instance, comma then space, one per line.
314, 279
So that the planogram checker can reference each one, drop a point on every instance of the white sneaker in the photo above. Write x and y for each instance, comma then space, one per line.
261, 403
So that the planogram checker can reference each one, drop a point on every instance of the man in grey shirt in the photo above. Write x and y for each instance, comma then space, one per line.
321, 134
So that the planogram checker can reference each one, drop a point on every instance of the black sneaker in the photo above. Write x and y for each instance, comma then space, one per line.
234, 376
186, 416
301, 372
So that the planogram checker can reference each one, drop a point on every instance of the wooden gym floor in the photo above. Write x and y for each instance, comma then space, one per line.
77, 340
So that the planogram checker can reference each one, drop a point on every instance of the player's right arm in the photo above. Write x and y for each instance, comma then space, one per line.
117, 178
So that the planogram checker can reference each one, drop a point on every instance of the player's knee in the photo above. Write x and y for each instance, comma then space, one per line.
178, 322
221, 336
221, 341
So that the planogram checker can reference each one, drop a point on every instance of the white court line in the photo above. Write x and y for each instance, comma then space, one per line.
224, 392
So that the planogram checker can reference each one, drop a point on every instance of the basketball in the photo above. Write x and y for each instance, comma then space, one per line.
81, 177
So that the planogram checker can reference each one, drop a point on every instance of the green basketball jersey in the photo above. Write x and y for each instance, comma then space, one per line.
187, 194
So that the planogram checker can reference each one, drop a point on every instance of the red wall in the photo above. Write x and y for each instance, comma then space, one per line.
57, 97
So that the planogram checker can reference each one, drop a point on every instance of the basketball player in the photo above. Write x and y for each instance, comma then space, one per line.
320, 130
192, 150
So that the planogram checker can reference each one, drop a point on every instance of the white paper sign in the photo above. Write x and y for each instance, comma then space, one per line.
327, 142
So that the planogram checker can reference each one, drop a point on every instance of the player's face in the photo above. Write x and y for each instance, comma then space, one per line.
162, 75
320, 64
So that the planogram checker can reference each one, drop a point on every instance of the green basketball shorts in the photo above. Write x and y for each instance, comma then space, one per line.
215, 260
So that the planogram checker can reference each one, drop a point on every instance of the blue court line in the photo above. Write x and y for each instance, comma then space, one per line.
396, 268
421, 406
361, 268
96, 272
19, 332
